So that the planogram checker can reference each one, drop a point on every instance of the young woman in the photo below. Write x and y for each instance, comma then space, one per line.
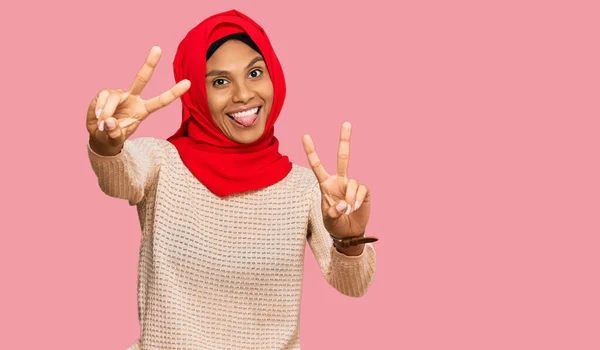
225, 217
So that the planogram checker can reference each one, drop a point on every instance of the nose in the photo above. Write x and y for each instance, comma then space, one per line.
243, 93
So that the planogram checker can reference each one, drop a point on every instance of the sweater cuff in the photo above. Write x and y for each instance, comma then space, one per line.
353, 275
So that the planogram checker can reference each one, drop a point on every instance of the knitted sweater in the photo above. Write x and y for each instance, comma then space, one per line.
222, 273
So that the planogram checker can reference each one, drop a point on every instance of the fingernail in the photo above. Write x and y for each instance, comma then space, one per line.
348, 210
341, 206
101, 126
110, 124
356, 206
98, 111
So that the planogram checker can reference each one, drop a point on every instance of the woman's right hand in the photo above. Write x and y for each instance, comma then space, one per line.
114, 115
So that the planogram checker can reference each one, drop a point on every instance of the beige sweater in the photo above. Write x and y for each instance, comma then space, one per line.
222, 273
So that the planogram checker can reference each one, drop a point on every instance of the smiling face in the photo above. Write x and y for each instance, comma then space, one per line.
239, 91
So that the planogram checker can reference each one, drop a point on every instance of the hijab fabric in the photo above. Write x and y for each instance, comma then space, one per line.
224, 166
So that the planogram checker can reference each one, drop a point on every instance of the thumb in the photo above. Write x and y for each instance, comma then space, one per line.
115, 133
339, 209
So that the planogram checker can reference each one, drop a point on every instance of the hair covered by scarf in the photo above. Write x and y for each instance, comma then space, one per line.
224, 166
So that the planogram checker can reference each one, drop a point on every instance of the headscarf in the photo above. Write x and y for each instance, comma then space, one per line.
224, 166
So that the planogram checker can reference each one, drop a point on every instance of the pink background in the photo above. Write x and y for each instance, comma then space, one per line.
475, 125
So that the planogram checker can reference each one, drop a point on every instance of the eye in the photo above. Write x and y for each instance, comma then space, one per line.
255, 73
219, 82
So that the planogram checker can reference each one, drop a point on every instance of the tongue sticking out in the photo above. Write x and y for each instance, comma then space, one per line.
247, 120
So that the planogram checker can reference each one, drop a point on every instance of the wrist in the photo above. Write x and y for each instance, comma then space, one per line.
352, 251
104, 150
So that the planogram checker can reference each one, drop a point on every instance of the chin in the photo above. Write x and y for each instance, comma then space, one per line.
247, 137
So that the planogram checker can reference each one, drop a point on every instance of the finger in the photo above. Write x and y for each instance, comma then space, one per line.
168, 96
110, 107
91, 123
344, 150
361, 196
102, 98
114, 131
313, 159
99, 131
326, 202
351, 189
124, 96
145, 73
92, 112
335, 211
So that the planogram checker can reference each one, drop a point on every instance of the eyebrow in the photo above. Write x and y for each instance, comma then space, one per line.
224, 72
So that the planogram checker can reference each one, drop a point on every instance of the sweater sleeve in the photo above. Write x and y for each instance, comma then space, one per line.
130, 173
350, 275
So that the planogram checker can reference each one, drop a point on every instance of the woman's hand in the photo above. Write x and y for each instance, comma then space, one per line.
114, 115
345, 202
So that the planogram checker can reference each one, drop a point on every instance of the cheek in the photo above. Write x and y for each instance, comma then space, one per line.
267, 95
216, 104
266, 91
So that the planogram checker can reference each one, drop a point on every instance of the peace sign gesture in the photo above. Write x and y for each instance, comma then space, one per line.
114, 115
345, 203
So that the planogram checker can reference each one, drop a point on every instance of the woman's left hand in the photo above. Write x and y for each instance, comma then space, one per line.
345, 202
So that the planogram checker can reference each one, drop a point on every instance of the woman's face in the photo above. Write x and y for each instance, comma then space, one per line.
239, 91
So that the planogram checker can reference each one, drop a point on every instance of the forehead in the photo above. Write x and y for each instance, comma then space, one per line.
231, 53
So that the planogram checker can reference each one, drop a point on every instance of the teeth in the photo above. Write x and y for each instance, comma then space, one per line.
245, 113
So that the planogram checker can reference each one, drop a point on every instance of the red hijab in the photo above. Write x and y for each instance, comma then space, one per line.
224, 166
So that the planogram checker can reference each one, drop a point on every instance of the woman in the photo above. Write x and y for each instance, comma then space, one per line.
224, 216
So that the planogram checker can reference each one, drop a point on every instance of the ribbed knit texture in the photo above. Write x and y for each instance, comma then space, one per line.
223, 273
